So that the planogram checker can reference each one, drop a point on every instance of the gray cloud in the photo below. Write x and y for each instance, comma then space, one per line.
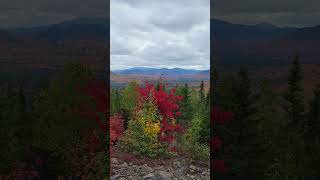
21, 13
167, 33
279, 12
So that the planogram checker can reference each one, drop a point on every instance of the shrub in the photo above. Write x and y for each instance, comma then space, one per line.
116, 128
190, 140
152, 129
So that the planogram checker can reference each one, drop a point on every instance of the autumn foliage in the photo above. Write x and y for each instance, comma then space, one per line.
153, 127
116, 128
167, 104
218, 117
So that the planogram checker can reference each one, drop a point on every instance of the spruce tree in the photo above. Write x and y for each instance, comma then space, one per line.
295, 129
117, 101
244, 143
21, 117
294, 98
312, 136
314, 118
185, 107
202, 96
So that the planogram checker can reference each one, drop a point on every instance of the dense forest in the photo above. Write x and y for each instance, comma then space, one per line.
60, 131
271, 135
155, 120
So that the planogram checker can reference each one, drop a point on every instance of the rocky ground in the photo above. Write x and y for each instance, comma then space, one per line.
173, 169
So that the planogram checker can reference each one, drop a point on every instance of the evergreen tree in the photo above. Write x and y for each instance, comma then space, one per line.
312, 136
244, 144
294, 98
203, 112
129, 97
270, 118
117, 101
314, 118
185, 107
128, 102
294, 130
202, 96
20, 118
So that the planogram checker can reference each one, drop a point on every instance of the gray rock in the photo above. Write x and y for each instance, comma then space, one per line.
163, 175
146, 168
177, 164
180, 171
159, 168
114, 161
124, 165
192, 167
148, 176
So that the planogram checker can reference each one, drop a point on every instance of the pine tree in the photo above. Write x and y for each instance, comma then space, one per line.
244, 144
185, 107
313, 127
294, 98
21, 118
312, 136
270, 118
202, 96
295, 128
117, 101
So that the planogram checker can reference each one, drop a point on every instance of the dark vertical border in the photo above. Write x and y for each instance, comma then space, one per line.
108, 89
211, 89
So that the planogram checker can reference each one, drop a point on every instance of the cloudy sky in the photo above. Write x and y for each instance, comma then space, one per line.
161, 34
25, 13
298, 13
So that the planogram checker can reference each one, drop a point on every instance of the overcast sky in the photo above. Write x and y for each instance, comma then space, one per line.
161, 34
25, 13
298, 13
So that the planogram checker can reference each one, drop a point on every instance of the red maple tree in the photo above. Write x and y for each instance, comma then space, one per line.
167, 104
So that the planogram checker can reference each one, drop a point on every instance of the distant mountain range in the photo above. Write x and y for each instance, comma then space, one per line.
164, 72
81, 29
262, 44
37, 51
173, 76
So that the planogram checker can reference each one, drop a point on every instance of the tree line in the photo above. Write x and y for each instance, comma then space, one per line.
194, 113
272, 135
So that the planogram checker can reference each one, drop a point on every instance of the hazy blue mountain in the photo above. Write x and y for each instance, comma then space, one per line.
158, 71
262, 44
82, 29
230, 31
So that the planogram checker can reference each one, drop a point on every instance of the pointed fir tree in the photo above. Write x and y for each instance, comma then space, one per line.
185, 107
313, 126
294, 105
295, 128
202, 96
245, 145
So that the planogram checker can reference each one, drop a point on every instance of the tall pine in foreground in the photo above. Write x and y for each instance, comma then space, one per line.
312, 136
294, 97
244, 145
313, 125
202, 96
185, 107
204, 113
293, 145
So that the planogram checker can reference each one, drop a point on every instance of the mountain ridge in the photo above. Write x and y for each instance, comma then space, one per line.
158, 71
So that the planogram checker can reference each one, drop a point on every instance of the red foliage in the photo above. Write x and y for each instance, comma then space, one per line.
97, 91
22, 171
219, 166
216, 143
167, 104
222, 117
116, 128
